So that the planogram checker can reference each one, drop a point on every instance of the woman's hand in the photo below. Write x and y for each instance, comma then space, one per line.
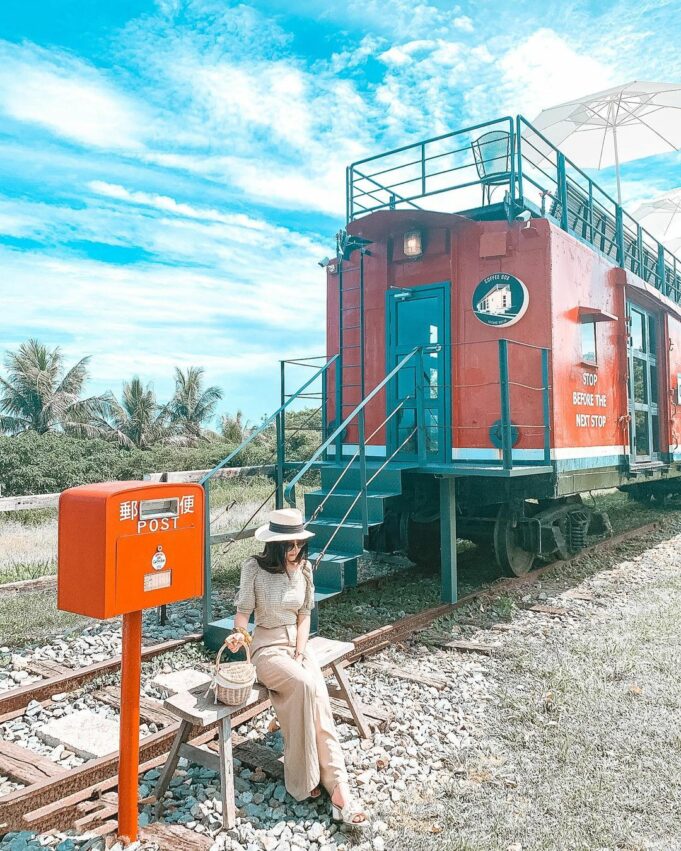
235, 641
299, 657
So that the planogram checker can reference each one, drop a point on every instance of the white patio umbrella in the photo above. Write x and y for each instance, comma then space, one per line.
674, 245
661, 216
627, 122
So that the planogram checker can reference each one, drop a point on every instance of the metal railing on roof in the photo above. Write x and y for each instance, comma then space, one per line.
449, 170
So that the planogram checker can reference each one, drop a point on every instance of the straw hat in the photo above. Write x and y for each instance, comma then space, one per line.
286, 524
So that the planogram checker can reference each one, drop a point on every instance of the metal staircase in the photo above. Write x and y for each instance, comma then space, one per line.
335, 516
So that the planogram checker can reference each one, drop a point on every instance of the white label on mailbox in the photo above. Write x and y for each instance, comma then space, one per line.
154, 581
158, 560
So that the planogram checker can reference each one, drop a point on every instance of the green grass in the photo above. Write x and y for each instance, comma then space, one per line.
28, 539
32, 617
17, 571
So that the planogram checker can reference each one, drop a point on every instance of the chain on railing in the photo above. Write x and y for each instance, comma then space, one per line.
290, 492
318, 510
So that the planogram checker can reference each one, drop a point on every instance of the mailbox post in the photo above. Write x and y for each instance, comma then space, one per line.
125, 547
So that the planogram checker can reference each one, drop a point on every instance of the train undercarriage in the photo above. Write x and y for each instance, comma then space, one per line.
518, 531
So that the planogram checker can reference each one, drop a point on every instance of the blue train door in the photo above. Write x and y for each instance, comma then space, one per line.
642, 386
419, 316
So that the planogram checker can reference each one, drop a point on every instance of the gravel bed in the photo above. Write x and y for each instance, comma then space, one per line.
577, 746
566, 738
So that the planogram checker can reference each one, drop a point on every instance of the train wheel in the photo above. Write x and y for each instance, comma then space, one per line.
511, 557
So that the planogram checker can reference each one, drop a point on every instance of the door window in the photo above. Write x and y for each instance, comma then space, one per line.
642, 389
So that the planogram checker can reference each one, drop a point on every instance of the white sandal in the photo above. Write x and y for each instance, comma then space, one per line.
349, 812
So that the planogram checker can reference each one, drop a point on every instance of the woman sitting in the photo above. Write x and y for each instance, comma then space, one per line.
278, 586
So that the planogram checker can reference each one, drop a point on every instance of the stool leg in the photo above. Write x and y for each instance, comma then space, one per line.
227, 774
352, 702
171, 764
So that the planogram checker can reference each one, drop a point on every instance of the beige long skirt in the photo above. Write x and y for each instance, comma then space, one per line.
312, 752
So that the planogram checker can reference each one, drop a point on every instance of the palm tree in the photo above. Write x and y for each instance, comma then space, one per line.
137, 420
41, 395
191, 405
234, 428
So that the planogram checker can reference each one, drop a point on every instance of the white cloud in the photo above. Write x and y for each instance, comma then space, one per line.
545, 70
144, 318
463, 23
68, 97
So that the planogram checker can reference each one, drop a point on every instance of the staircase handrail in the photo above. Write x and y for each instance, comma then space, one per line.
356, 454
268, 421
206, 607
289, 492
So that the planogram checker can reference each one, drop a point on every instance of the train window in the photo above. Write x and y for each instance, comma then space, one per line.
642, 442
651, 335
640, 383
637, 331
588, 332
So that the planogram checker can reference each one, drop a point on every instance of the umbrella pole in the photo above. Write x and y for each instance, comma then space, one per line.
617, 164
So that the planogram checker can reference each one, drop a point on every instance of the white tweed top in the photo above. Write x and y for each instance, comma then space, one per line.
276, 598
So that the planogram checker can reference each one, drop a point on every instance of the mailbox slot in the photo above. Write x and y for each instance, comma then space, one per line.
156, 509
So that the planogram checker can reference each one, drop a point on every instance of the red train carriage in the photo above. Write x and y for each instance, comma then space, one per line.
501, 337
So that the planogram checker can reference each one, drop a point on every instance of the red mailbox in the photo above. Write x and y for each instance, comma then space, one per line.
127, 546
124, 547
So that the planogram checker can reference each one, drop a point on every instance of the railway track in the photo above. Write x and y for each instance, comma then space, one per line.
84, 797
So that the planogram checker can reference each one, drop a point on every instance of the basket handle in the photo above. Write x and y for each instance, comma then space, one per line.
221, 650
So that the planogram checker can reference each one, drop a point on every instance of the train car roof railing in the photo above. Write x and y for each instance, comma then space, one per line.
450, 169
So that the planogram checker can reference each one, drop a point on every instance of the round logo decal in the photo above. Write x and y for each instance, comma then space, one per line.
500, 299
158, 561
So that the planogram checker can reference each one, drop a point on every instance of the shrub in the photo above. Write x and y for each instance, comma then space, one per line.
32, 463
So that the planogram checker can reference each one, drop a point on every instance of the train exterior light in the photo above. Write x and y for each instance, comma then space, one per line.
413, 243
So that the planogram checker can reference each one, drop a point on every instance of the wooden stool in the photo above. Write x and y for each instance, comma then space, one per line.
195, 709
198, 710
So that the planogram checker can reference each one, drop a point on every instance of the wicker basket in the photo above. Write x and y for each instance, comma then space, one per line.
233, 681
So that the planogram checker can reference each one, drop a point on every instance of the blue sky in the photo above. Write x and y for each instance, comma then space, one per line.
172, 170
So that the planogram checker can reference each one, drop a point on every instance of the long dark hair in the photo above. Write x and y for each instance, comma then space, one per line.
273, 557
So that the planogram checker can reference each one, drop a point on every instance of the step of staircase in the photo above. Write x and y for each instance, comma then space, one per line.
345, 538
340, 501
335, 571
389, 480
